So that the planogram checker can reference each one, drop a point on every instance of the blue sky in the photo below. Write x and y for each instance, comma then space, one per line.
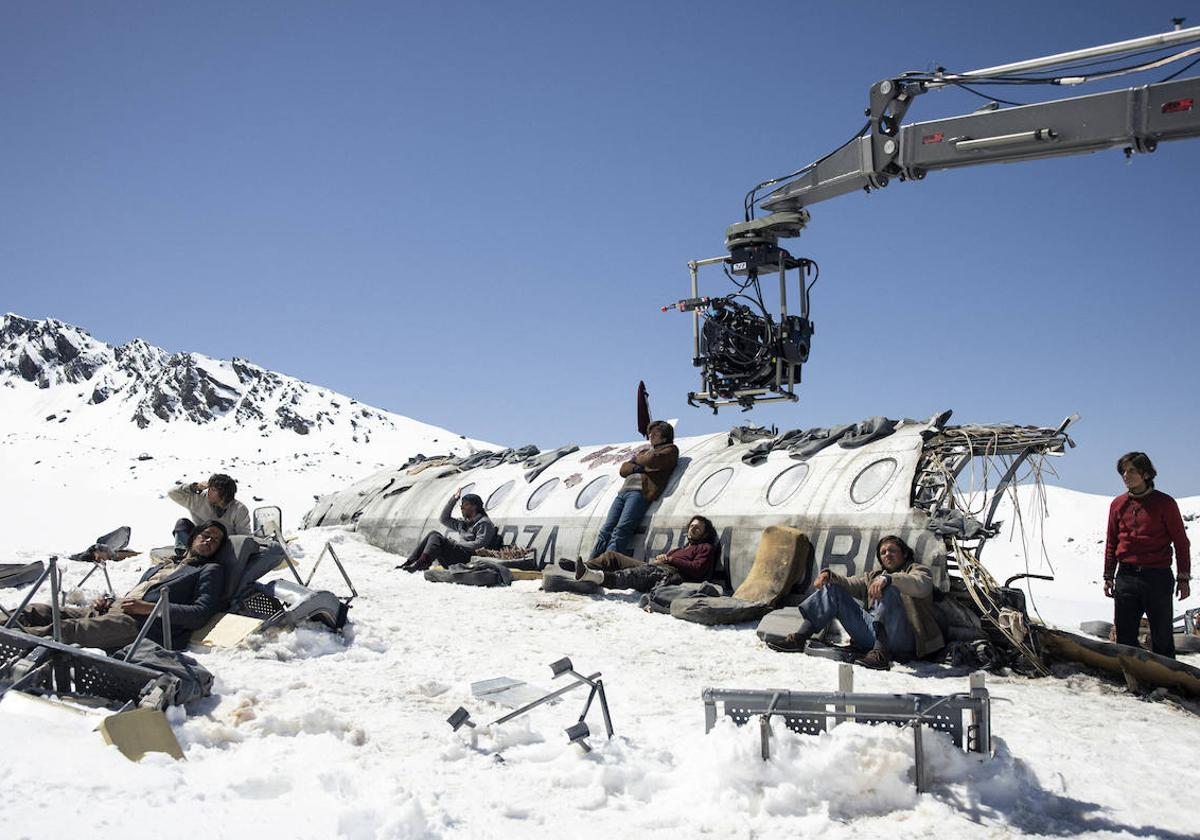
470, 213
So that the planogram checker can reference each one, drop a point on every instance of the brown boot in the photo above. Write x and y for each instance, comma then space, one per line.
794, 642
876, 659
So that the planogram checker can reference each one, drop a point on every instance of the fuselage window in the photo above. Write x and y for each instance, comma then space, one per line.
712, 486
786, 484
539, 495
591, 491
498, 494
871, 481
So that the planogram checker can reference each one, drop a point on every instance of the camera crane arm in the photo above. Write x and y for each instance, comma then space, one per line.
747, 356
1138, 118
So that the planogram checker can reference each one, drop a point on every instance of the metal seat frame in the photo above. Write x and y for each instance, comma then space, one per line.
966, 717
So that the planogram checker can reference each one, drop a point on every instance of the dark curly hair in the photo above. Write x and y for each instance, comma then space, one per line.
710, 531
224, 485
1140, 461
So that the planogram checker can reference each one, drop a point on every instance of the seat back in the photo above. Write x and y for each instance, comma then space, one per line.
234, 556
268, 554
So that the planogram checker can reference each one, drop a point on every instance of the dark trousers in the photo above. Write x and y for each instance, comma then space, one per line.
435, 548
109, 631
1139, 591
624, 572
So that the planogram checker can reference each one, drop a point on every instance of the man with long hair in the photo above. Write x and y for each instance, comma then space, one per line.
898, 621
193, 583
1143, 524
692, 562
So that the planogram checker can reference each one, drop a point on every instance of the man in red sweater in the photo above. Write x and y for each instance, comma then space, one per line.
1142, 526
692, 562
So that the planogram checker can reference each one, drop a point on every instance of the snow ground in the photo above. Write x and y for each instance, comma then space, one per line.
312, 734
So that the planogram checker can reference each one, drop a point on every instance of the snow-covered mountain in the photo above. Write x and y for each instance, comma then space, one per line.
149, 385
102, 431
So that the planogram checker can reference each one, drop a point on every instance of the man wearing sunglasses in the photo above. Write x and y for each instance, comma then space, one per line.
193, 583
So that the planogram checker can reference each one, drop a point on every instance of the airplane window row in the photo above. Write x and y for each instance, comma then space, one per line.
867, 485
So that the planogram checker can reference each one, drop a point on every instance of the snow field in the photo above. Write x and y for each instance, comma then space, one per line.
315, 735
311, 734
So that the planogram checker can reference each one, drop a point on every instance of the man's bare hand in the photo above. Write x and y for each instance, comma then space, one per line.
660, 559
875, 589
100, 605
1108, 587
458, 494
134, 606
822, 579
1183, 589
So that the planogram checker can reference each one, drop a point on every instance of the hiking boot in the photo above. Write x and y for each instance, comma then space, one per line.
876, 659
795, 642
791, 643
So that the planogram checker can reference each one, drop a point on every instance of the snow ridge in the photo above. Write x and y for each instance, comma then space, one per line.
151, 386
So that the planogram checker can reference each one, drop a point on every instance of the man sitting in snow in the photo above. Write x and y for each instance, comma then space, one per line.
209, 501
692, 562
193, 584
898, 623
463, 538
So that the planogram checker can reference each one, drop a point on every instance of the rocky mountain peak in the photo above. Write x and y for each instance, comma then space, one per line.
150, 385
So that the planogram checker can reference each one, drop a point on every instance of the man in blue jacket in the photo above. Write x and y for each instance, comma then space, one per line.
193, 583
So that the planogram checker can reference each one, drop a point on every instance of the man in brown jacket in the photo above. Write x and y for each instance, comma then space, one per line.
898, 622
646, 475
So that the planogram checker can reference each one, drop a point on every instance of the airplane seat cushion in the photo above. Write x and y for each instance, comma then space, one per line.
782, 559
233, 556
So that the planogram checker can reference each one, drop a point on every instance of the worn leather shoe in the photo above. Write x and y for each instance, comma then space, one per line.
791, 643
876, 659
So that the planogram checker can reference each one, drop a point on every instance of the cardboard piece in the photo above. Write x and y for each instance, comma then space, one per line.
225, 630
140, 731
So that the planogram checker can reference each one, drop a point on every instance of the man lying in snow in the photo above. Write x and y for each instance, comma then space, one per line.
209, 501
464, 536
692, 562
898, 623
193, 584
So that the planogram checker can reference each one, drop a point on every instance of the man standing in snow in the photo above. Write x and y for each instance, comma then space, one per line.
899, 622
209, 501
646, 475
1143, 524
193, 583
463, 538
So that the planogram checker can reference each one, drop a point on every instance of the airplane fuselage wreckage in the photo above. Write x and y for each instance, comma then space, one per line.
844, 487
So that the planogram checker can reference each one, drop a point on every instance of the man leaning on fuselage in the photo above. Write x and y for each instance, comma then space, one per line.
646, 475
898, 621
